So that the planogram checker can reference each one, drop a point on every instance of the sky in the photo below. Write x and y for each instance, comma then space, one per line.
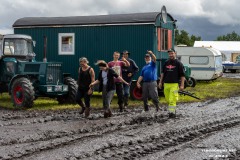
205, 18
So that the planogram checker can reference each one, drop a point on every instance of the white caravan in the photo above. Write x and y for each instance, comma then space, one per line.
205, 63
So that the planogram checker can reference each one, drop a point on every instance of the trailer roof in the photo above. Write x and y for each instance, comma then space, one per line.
136, 18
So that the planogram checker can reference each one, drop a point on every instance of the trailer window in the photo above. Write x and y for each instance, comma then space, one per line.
164, 39
202, 60
66, 43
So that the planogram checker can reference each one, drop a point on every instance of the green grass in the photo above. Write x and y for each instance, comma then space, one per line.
218, 89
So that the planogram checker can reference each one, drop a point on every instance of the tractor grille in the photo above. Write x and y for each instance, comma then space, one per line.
54, 74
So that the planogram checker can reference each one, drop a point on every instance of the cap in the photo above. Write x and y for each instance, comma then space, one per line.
171, 50
125, 51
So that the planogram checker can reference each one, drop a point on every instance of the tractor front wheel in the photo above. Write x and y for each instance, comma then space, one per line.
70, 97
22, 93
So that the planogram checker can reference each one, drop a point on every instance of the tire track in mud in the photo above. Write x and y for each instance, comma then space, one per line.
134, 149
139, 148
52, 140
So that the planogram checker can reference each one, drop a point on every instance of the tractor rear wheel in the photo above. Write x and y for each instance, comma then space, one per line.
69, 98
22, 93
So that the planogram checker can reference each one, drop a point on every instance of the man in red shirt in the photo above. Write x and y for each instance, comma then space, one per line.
117, 65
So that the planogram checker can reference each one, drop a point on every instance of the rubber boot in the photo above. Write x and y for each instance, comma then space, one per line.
87, 111
121, 108
126, 101
82, 104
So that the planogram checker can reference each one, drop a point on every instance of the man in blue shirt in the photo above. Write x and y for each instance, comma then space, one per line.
149, 78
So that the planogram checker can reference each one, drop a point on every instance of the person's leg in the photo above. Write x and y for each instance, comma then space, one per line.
119, 91
104, 97
173, 97
126, 90
153, 93
109, 96
87, 103
145, 94
79, 97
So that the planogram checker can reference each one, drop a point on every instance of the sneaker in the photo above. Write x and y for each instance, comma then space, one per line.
87, 111
171, 115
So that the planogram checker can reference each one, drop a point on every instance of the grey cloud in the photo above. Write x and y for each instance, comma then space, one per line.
212, 13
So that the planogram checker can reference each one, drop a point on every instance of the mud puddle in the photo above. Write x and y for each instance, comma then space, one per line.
202, 130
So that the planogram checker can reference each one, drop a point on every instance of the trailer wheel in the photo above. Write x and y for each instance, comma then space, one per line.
72, 91
191, 82
135, 92
22, 93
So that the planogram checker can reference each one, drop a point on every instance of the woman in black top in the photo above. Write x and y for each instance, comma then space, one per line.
86, 75
106, 85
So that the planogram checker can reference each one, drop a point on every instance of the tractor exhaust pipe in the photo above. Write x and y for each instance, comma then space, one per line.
45, 49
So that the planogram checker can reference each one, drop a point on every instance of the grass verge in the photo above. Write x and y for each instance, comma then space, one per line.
217, 89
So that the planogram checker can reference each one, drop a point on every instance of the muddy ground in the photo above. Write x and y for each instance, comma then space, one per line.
202, 130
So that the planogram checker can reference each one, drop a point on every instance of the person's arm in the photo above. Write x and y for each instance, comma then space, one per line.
126, 63
135, 68
92, 73
121, 79
182, 83
94, 83
161, 81
153, 56
139, 81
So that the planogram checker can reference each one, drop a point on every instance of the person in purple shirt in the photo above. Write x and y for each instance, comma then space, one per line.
117, 65
149, 78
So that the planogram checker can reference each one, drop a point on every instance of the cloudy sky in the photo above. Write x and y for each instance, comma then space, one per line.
205, 18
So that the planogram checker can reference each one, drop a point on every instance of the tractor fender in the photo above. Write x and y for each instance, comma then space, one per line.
12, 80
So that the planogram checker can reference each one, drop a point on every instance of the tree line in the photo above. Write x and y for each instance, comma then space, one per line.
182, 37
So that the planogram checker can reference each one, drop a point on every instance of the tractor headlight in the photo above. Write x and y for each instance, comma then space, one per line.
65, 88
49, 89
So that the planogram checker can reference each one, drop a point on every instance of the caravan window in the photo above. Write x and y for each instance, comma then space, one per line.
66, 43
202, 60
164, 39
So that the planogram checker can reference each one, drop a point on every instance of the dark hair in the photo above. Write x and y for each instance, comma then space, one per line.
101, 63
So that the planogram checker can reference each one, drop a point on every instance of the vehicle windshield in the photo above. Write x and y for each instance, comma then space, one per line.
18, 47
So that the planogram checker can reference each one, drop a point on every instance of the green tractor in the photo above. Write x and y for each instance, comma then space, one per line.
136, 93
25, 79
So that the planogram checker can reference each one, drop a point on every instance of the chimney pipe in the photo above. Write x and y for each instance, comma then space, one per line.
45, 49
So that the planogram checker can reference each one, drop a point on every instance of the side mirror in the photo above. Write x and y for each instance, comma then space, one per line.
34, 43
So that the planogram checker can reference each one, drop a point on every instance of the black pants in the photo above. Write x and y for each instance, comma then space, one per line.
119, 91
83, 93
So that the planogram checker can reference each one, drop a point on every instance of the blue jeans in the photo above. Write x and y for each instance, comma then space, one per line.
126, 90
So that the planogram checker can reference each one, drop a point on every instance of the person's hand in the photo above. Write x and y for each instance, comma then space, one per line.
129, 74
149, 52
128, 84
91, 85
123, 59
160, 85
138, 85
181, 88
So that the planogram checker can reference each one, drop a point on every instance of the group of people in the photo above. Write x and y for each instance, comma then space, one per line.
117, 76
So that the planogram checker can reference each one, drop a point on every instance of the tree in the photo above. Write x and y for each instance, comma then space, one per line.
229, 37
183, 37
